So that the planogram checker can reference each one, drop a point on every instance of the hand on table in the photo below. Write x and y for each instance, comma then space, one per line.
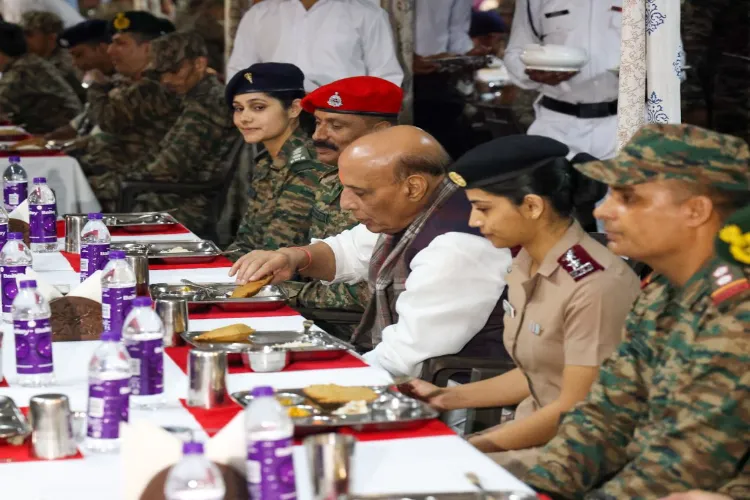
424, 391
550, 77
258, 264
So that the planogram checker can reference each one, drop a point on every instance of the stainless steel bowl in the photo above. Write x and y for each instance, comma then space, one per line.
266, 359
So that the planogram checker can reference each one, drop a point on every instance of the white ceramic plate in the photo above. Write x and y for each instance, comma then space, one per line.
561, 69
554, 57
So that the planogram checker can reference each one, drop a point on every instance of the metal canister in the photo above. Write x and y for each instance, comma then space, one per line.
173, 312
207, 372
139, 263
73, 226
51, 426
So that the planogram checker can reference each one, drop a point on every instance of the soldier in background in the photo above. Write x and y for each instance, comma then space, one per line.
196, 147
669, 412
42, 30
32, 92
716, 92
205, 17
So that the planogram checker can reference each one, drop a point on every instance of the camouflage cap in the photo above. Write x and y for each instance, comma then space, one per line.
685, 152
169, 51
46, 22
733, 241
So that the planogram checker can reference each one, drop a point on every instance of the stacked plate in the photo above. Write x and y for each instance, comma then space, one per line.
554, 58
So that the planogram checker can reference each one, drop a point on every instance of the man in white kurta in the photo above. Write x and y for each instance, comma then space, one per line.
13, 10
578, 109
331, 40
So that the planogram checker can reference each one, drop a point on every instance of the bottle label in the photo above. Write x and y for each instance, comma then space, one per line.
14, 193
33, 346
116, 304
94, 256
8, 282
270, 470
108, 406
42, 227
146, 366
3, 234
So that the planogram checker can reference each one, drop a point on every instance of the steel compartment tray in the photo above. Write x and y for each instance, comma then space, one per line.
197, 252
140, 222
13, 425
269, 298
408, 413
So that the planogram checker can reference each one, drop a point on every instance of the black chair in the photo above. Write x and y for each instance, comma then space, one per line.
338, 323
217, 190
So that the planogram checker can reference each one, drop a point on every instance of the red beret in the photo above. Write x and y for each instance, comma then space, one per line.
358, 95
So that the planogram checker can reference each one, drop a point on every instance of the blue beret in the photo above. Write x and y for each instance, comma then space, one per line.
265, 77
485, 23
90, 31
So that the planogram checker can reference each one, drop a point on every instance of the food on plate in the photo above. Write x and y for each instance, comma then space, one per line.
11, 131
284, 401
232, 333
297, 412
176, 250
30, 143
333, 393
357, 407
250, 289
295, 345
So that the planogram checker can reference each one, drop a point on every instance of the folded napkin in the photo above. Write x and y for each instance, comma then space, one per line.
21, 212
45, 289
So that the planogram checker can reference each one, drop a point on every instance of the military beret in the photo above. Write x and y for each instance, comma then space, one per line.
46, 22
684, 152
12, 40
505, 158
733, 241
358, 95
265, 77
169, 51
141, 22
486, 23
90, 31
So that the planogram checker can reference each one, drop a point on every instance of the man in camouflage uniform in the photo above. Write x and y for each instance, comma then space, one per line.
42, 30
368, 104
671, 409
133, 110
32, 92
196, 148
716, 92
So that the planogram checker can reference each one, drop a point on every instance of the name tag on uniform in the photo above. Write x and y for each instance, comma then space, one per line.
509, 309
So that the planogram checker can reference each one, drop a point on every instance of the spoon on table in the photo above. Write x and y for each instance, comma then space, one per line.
474, 479
209, 289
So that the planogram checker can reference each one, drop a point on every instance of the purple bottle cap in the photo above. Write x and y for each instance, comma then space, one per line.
110, 335
95, 216
40, 180
142, 302
192, 448
28, 284
262, 391
116, 254
14, 159
15, 236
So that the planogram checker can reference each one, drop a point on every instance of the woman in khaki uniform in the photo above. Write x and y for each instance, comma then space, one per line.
567, 294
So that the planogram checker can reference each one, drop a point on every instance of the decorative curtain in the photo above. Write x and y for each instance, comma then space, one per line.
402, 14
651, 65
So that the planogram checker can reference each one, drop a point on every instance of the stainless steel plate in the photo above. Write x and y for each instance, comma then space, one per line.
195, 252
269, 298
319, 341
139, 219
13, 425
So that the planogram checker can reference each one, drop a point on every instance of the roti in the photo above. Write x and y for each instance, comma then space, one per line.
250, 289
233, 333
333, 393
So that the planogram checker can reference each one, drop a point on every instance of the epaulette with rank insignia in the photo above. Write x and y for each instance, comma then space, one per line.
298, 155
578, 263
727, 281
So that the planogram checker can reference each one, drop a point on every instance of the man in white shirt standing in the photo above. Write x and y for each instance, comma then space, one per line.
13, 10
327, 39
576, 108
436, 282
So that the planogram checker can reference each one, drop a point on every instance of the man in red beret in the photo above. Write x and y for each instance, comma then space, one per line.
344, 110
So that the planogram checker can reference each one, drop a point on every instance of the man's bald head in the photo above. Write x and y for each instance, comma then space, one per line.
389, 176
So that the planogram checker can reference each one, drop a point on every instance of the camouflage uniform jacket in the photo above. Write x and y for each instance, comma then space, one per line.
281, 197
671, 407
329, 219
62, 61
33, 94
193, 151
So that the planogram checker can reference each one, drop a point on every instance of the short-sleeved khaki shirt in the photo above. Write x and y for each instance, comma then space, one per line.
570, 312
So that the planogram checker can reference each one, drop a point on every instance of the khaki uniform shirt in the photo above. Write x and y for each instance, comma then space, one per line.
570, 312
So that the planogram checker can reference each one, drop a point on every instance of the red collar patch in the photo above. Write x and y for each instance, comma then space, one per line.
578, 263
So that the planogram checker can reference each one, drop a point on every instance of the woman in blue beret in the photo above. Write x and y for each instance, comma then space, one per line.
265, 101
568, 295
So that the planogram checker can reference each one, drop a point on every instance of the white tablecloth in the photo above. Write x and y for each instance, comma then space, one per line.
431, 464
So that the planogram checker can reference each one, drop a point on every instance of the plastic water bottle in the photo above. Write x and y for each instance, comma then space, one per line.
194, 477
15, 184
42, 217
118, 291
15, 258
109, 393
3, 226
33, 335
94, 246
143, 334
269, 431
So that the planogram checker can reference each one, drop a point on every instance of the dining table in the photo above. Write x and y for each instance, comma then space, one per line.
430, 458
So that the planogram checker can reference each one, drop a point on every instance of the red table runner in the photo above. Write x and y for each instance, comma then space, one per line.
180, 356
220, 262
119, 231
28, 153
23, 453
214, 420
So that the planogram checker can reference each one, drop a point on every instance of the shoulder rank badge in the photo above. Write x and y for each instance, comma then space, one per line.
335, 100
578, 263
298, 155
727, 281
